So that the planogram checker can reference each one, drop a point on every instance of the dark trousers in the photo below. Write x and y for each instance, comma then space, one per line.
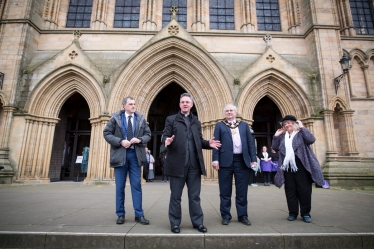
298, 188
192, 177
239, 170
267, 176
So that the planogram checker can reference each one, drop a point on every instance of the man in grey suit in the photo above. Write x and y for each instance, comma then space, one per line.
185, 164
234, 158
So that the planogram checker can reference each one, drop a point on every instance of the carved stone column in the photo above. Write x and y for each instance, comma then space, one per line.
198, 23
207, 131
350, 85
98, 162
352, 149
294, 21
51, 12
367, 80
36, 149
7, 173
99, 14
330, 136
248, 15
150, 16
7, 122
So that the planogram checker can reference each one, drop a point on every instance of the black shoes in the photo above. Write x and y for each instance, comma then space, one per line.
142, 220
201, 228
245, 221
120, 220
291, 218
175, 229
225, 221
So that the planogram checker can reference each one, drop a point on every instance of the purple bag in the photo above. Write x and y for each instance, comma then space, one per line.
274, 166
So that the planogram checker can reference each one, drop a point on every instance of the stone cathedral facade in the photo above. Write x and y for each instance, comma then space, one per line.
66, 65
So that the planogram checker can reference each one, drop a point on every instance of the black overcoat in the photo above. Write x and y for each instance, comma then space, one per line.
175, 160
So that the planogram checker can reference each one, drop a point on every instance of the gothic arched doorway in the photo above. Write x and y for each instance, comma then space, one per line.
266, 116
72, 135
166, 103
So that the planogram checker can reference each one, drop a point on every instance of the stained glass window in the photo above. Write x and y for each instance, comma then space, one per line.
268, 15
126, 14
181, 15
221, 14
362, 15
79, 14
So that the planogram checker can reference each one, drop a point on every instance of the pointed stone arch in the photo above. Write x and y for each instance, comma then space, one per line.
49, 95
173, 59
281, 89
44, 105
359, 55
369, 54
3, 99
337, 100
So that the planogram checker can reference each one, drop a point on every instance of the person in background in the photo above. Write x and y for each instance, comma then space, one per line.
151, 168
274, 163
298, 166
265, 165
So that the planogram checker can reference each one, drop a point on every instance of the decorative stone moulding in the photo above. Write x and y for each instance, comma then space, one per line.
173, 30
73, 54
270, 58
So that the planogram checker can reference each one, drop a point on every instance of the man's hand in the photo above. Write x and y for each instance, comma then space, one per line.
135, 140
125, 143
215, 166
214, 143
169, 140
254, 164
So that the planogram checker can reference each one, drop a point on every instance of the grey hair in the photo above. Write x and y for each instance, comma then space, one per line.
230, 106
186, 95
124, 101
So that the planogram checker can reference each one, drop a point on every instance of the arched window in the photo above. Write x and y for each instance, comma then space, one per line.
221, 14
181, 15
362, 15
79, 14
126, 14
268, 15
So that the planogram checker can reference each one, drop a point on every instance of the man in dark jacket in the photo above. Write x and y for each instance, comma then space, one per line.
127, 132
185, 164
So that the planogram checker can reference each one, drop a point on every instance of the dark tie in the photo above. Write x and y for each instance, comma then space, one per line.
129, 129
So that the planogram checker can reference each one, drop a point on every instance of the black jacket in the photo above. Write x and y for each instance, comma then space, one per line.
175, 125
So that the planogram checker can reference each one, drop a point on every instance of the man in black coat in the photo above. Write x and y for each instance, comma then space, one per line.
185, 164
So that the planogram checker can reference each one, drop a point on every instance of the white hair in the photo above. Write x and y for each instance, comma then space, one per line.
230, 106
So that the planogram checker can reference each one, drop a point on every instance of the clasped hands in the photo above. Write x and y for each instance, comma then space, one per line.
126, 143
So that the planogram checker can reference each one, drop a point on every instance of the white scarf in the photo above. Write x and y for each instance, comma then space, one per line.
289, 159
